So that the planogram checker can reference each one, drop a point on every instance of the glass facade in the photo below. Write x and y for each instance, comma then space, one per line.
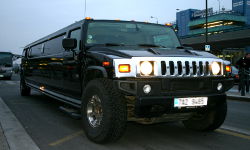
216, 23
233, 23
182, 20
242, 6
192, 21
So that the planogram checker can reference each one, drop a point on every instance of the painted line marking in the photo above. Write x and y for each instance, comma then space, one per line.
237, 130
232, 133
67, 138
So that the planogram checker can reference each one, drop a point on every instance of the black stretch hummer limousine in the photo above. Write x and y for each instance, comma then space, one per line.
115, 71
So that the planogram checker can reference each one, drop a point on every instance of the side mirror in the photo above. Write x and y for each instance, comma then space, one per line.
69, 44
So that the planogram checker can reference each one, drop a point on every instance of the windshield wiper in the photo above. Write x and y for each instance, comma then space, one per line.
153, 51
151, 45
185, 49
180, 47
113, 44
105, 44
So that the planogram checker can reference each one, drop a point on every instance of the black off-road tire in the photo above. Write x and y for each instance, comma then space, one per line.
114, 109
210, 120
24, 89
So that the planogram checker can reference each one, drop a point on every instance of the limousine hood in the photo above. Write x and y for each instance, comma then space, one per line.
116, 52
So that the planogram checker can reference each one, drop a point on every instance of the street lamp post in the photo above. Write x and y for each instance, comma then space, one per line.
155, 18
206, 21
219, 5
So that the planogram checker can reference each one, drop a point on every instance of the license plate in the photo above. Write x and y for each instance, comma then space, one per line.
1, 75
190, 101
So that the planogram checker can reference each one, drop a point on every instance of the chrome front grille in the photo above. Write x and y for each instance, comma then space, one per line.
185, 68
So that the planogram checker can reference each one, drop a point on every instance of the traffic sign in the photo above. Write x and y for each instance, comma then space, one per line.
207, 47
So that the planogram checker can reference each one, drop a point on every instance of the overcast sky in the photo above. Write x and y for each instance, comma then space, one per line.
24, 21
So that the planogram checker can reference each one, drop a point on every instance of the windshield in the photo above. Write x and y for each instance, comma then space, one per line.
6, 59
131, 33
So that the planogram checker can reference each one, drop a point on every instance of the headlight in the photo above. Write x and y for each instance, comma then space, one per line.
215, 68
146, 68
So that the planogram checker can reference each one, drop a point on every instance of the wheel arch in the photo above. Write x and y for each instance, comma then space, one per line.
94, 72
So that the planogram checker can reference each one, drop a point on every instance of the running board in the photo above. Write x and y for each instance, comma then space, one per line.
65, 99
73, 113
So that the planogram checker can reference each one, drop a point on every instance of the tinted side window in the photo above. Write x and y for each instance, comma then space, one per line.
76, 34
54, 46
36, 50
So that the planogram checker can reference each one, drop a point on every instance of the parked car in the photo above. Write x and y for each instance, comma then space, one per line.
235, 74
6, 65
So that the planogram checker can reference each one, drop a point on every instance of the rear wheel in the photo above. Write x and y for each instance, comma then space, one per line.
208, 120
104, 112
24, 89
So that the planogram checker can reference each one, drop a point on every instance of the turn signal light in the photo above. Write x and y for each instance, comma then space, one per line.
228, 68
168, 24
124, 68
88, 18
106, 63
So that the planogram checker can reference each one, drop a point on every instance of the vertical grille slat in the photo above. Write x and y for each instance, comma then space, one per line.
179, 66
201, 67
194, 68
171, 68
187, 68
183, 68
163, 68
207, 68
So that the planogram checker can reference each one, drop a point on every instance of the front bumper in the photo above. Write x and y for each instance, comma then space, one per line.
174, 86
161, 98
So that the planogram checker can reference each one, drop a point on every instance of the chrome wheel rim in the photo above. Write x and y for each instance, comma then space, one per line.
94, 111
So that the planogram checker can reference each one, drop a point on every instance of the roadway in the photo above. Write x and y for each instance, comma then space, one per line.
52, 129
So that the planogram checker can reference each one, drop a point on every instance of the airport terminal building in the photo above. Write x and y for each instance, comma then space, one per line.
228, 30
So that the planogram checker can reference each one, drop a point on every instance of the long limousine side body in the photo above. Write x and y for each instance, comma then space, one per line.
118, 71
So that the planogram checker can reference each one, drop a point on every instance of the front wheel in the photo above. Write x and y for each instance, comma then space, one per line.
104, 112
208, 120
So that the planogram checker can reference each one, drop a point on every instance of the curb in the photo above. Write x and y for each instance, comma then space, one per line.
16, 136
238, 98
3, 142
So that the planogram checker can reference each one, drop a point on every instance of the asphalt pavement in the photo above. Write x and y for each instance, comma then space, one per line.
47, 128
